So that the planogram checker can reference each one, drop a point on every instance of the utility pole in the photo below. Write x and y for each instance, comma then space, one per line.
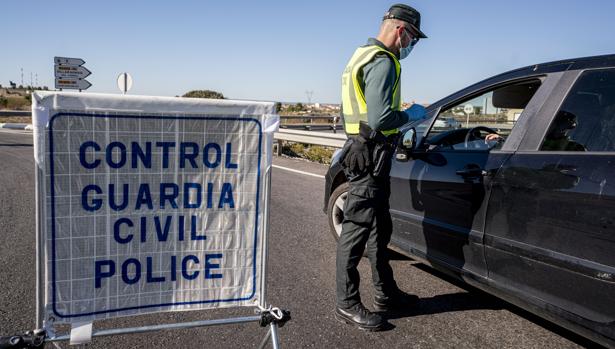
21, 76
31, 82
36, 77
309, 96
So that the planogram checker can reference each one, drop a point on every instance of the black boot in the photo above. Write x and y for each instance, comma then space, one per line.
398, 301
361, 317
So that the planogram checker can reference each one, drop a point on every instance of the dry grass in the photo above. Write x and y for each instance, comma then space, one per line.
313, 153
16, 119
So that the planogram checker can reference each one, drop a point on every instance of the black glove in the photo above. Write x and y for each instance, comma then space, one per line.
358, 159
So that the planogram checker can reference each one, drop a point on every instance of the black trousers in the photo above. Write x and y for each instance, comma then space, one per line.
367, 227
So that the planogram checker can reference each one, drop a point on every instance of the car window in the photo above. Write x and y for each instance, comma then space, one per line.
483, 122
586, 119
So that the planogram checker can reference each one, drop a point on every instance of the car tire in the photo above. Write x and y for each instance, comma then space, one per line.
335, 209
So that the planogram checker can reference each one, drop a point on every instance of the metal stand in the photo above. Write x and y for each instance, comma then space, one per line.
269, 317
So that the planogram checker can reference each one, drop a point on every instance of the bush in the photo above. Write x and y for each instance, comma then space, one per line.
17, 103
4, 102
294, 108
204, 94
319, 154
293, 149
309, 152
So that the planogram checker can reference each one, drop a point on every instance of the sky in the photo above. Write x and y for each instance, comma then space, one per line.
278, 50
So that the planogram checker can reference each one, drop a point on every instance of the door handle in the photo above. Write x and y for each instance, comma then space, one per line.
471, 172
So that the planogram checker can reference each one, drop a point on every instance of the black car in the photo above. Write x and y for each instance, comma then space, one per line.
528, 216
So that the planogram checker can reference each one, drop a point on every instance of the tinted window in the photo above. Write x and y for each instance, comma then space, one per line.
586, 120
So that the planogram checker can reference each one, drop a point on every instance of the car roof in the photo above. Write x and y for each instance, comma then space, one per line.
603, 61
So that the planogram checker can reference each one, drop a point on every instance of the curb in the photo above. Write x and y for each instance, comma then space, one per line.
15, 126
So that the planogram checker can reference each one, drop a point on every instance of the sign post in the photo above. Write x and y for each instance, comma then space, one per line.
159, 206
70, 73
469, 110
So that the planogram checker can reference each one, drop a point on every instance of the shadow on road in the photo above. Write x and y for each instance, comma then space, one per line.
475, 299
444, 303
396, 256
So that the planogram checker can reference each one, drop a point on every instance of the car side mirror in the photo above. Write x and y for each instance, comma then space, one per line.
408, 142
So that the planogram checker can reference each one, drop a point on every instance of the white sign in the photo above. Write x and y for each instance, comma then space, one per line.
468, 109
75, 84
149, 211
68, 61
71, 72
124, 82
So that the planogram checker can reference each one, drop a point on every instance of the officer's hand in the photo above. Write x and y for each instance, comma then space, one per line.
416, 112
358, 159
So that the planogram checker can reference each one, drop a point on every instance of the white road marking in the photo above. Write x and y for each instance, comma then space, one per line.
297, 171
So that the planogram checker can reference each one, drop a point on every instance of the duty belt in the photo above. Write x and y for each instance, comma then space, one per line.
367, 134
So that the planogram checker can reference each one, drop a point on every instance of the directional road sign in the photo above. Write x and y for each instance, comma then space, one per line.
69, 61
75, 84
71, 72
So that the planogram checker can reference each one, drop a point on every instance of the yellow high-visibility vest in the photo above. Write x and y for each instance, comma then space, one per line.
354, 107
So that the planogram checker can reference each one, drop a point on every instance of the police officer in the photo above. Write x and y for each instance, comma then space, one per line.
371, 109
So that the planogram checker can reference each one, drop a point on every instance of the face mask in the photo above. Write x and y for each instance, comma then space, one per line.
405, 51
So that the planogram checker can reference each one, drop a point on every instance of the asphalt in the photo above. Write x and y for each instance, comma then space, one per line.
301, 279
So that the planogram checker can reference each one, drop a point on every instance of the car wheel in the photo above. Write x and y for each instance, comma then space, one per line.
335, 209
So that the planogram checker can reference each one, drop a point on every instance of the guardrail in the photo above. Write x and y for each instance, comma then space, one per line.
311, 122
335, 140
15, 113
309, 137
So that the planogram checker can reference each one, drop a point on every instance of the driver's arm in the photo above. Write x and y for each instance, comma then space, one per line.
492, 137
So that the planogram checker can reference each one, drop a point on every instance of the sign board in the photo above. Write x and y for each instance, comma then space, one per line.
124, 82
69, 61
70, 74
468, 109
75, 84
156, 206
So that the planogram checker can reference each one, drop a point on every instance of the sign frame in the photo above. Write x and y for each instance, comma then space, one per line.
42, 121
53, 217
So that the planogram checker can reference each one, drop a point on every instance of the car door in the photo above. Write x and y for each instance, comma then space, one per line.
550, 228
440, 193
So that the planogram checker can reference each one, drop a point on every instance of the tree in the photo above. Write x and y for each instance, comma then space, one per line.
204, 94
4, 102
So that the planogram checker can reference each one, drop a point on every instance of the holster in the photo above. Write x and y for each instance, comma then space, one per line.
381, 149
382, 155
345, 150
